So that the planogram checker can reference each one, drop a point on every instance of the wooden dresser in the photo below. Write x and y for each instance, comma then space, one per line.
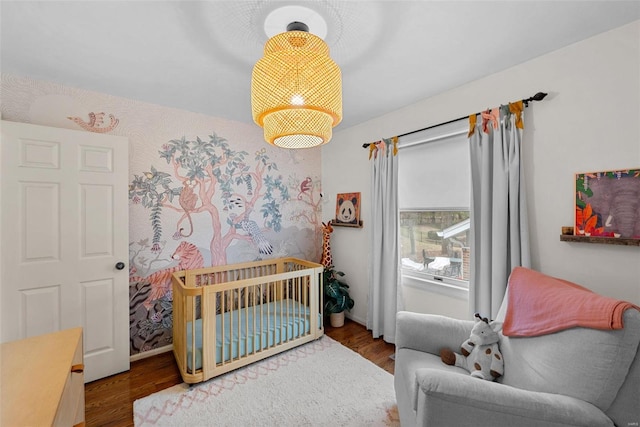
42, 380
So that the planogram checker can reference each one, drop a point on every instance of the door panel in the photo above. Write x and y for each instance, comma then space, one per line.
98, 294
39, 154
64, 227
39, 218
96, 211
40, 310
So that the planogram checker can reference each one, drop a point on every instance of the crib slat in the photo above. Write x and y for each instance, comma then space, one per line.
280, 295
222, 324
299, 301
261, 316
229, 310
191, 313
269, 296
246, 321
236, 329
290, 312
256, 339
208, 327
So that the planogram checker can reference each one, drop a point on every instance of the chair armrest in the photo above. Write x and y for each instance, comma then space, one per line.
449, 398
430, 332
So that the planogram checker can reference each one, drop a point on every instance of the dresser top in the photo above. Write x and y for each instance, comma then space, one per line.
33, 375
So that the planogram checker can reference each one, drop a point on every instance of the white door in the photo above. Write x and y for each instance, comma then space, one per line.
64, 230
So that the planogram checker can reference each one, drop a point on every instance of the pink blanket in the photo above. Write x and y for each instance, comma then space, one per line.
539, 304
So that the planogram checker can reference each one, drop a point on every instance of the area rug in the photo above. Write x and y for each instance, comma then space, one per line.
321, 383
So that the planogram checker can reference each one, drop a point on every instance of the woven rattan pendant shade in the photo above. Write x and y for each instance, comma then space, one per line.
296, 91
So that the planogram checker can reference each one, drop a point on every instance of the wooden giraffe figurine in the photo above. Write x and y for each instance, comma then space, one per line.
326, 260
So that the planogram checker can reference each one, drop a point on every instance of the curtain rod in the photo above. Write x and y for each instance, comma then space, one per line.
537, 97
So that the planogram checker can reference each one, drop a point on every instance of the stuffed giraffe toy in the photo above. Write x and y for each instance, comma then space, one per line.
326, 259
480, 353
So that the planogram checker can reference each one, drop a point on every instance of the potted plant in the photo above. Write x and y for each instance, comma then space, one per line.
336, 296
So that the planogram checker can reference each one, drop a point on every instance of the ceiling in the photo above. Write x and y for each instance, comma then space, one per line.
198, 56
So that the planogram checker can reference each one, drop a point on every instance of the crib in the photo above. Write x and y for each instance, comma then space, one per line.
229, 316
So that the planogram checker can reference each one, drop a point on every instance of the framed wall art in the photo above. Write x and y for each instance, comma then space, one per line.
608, 204
347, 210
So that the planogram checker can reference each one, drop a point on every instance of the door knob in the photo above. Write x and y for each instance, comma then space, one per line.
120, 266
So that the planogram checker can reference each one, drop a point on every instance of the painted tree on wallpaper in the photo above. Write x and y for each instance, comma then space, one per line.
241, 195
206, 170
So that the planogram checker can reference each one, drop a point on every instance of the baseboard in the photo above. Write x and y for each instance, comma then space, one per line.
150, 353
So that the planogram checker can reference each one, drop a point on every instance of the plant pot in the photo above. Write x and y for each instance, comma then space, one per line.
337, 319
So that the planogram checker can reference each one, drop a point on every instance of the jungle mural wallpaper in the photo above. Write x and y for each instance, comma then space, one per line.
203, 191
241, 199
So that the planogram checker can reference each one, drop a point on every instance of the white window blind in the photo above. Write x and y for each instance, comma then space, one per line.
434, 174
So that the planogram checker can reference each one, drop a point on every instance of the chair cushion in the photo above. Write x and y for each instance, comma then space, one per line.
587, 364
408, 361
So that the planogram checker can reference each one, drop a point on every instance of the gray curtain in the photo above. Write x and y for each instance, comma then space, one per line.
383, 256
499, 225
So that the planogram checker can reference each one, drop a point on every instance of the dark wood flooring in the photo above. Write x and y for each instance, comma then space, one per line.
109, 401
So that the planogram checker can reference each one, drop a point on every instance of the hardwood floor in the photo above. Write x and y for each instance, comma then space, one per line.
109, 401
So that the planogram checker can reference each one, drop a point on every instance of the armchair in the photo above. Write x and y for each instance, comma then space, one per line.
574, 377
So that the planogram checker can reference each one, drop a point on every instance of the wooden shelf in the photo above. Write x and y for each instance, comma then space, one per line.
345, 224
603, 240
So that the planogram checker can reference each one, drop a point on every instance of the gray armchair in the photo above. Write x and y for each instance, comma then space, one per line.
576, 377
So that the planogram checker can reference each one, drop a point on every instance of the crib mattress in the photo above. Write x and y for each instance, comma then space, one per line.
246, 333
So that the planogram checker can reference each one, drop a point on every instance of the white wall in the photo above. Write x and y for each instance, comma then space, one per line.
589, 121
445, 302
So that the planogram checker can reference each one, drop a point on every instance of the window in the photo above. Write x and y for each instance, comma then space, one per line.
435, 242
433, 196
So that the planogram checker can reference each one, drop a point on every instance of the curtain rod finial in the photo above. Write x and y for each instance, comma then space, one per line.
538, 96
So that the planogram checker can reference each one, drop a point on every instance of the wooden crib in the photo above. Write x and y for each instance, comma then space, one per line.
226, 317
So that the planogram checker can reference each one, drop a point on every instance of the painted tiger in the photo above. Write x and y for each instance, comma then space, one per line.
189, 257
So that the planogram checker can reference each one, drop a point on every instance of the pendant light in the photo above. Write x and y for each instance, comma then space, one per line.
296, 90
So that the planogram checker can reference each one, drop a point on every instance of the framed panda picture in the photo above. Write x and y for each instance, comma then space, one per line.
348, 210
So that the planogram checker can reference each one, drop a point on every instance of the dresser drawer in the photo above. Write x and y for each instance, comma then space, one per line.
71, 409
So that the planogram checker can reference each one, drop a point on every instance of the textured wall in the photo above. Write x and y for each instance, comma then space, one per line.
203, 190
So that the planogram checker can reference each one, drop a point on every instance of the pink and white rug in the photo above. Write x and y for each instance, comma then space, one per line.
321, 383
